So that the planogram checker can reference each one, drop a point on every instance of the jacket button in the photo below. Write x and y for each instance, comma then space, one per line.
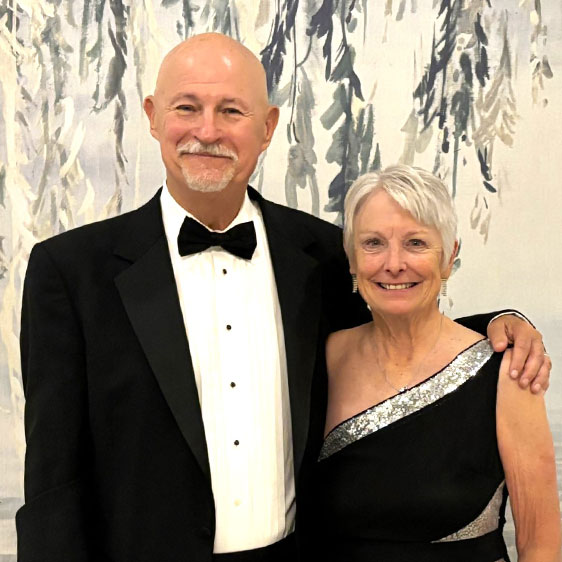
205, 532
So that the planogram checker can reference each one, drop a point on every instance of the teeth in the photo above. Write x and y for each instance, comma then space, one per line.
396, 286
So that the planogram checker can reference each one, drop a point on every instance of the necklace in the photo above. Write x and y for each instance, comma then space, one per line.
402, 389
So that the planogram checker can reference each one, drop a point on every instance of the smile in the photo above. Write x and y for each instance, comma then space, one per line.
206, 155
395, 286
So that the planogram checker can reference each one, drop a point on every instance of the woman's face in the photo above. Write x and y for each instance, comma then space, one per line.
397, 259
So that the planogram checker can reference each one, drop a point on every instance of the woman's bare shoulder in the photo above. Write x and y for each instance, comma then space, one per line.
340, 346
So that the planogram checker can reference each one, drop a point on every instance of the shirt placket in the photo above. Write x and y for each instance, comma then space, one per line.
232, 330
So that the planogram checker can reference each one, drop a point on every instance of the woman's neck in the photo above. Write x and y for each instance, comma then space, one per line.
403, 340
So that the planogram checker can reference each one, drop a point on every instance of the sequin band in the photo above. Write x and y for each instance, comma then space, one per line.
465, 366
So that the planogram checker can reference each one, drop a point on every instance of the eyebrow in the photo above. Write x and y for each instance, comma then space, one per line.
416, 232
222, 101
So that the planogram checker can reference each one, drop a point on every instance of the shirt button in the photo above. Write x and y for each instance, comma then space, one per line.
228, 327
232, 384
237, 502
237, 442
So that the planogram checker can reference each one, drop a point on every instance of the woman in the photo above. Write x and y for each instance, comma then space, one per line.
425, 431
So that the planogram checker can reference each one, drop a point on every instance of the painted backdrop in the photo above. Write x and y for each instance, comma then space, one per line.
470, 89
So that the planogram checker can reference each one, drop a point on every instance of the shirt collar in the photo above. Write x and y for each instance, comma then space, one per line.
173, 214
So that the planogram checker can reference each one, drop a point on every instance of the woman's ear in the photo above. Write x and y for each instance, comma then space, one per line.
449, 266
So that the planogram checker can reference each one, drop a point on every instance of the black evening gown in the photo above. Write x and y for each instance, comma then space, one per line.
418, 477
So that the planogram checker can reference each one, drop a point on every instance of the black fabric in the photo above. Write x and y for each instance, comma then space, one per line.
388, 495
240, 240
116, 463
282, 551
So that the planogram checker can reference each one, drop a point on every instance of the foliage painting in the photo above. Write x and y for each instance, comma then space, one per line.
73, 142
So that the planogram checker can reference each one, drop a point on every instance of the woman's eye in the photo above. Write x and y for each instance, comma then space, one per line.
372, 243
416, 243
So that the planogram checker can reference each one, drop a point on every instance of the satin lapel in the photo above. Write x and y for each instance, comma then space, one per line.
297, 276
149, 294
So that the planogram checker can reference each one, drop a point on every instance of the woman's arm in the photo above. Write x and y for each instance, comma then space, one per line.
527, 454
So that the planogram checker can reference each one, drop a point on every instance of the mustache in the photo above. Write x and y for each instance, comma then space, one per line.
212, 149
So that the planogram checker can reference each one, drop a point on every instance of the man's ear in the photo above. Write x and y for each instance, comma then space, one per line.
150, 110
271, 120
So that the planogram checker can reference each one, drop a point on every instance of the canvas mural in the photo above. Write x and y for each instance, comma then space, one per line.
470, 89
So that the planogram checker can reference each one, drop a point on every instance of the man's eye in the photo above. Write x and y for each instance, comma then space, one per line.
185, 108
231, 111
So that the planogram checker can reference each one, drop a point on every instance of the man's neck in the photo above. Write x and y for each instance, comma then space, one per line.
216, 210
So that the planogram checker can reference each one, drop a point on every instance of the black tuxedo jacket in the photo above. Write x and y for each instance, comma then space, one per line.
116, 464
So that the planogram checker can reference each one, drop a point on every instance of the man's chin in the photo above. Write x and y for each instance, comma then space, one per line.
205, 187
206, 184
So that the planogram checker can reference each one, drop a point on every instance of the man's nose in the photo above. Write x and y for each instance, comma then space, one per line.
208, 130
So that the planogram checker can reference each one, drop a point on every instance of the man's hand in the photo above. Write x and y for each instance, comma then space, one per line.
529, 361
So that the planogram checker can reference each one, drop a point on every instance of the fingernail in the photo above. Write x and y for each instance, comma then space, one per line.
524, 382
537, 387
514, 374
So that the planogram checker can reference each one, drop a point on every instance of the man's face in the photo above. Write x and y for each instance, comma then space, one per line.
210, 119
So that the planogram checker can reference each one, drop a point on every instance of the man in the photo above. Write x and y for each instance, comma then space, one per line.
174, 378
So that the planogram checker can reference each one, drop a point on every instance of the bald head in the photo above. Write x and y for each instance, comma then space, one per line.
219, 54
211, 116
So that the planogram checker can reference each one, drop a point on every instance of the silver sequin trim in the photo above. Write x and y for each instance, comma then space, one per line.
462, 368
485, 523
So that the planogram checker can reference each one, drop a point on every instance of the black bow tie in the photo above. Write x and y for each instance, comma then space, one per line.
240, 240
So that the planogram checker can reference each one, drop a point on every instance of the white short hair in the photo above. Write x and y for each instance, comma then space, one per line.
417, 191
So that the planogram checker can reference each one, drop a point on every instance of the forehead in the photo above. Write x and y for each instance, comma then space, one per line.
207, 73
380, 211
380, 208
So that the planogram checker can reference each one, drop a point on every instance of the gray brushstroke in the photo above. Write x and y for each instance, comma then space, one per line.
95, 53
499, 105
410, 128
221, 15
70, 13
545, 67
302, 159
117, 67
377, 160
187, 14
3, 185
336, 109
37, 205
82, 60
367, 131
263, 13
401, 9
388, 8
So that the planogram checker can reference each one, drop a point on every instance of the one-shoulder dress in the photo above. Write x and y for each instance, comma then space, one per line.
418, 477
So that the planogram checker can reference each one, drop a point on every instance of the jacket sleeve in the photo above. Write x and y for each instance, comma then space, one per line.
51, 526
479, 322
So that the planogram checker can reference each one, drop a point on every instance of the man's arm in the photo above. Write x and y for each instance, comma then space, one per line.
51, 525
528, 360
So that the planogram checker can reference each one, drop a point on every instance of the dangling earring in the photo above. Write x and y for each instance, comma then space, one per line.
354, 283
443, 287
